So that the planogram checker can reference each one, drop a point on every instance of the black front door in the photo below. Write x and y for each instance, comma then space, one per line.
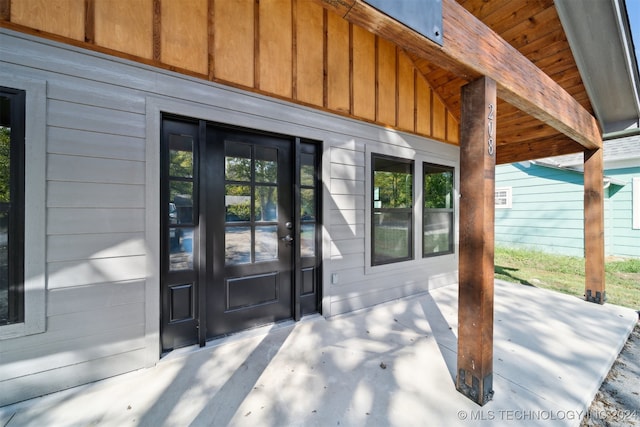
252, 232
240, 233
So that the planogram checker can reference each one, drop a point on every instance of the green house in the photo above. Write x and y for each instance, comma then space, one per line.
539, 204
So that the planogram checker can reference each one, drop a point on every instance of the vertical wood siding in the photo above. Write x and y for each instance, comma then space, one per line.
293, 49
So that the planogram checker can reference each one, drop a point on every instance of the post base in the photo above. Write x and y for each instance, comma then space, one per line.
479, 392
599, 298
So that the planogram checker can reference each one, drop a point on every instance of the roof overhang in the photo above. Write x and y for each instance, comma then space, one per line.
600, 38
471, 50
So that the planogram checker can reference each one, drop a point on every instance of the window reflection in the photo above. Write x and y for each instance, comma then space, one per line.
237, 245
266, 246
266, 167
307, 204
437, 210
392, 210
237, 202
237, 163
180, 248
181, 156
266, 203
308, 240
180, 202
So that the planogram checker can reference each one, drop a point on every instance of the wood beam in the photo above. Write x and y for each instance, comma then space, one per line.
476, 262
471, 50
594, 226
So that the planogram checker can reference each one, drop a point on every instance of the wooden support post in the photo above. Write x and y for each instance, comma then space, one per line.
476, 269
594, 226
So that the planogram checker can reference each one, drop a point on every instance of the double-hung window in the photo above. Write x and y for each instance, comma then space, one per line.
391, 210
12, 137
438, 212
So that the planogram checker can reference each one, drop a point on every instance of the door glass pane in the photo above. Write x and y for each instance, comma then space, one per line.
266, 243
237, 201
237, 162
180, 202
307, 169
266, 203
307, 204
181, 156
180, 248
4, 268
237, 245
308, 240
266, 164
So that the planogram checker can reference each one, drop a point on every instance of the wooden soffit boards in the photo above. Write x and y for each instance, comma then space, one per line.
471, 50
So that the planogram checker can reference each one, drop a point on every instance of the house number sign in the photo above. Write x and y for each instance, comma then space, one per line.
490, 129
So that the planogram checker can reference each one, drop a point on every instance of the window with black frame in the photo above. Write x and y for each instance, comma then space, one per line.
437, 225
12, 123
391, 210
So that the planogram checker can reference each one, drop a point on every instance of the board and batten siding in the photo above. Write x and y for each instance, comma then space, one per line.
102, 203
292, 49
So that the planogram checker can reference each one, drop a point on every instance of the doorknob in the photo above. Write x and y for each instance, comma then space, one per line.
287, 238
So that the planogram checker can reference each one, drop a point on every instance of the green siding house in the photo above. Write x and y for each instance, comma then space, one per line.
539, 204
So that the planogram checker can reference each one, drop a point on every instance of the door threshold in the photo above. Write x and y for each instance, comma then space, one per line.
236, 336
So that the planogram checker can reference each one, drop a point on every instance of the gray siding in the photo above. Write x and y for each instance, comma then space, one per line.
102, 181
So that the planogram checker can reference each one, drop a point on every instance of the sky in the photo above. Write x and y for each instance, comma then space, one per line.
633, 11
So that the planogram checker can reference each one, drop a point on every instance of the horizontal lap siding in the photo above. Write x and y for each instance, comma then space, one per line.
97, 259
346, 226
96, 263
623, 239
547, 211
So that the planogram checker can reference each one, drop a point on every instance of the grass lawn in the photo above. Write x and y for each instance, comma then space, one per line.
566, 274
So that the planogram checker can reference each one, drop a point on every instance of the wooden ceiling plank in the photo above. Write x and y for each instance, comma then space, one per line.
550, 147
470, 50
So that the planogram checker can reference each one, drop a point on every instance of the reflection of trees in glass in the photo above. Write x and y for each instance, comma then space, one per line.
395, 189
266, 196
438, 190
181, 166
5, 164
307, 203
181, 163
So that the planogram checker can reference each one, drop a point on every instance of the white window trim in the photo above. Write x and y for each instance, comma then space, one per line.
635, 203
34, 206
508, 197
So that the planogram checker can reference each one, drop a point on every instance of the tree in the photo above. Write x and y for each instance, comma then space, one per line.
5, 164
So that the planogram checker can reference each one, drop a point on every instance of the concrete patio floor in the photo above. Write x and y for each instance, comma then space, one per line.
393, 364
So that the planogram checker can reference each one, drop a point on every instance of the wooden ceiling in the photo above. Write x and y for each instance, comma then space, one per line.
533, 28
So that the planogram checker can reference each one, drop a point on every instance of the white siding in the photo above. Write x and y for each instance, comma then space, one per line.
102, 201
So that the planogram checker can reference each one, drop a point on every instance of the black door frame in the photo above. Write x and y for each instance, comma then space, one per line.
203, 172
